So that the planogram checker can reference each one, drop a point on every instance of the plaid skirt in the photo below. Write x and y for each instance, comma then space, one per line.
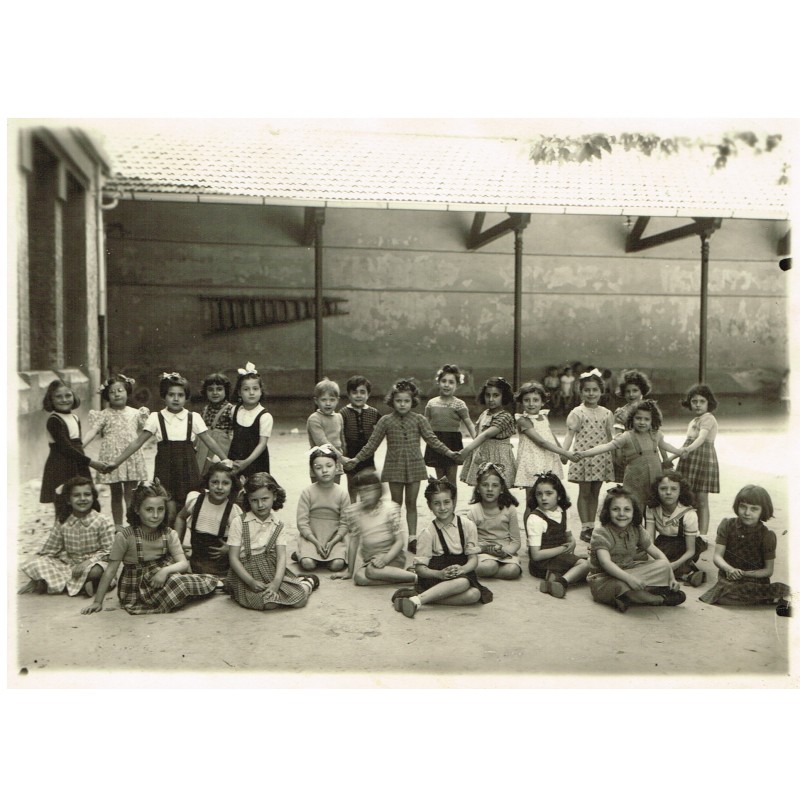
700, 468
261, 566
605, 588
746, 591
137, 595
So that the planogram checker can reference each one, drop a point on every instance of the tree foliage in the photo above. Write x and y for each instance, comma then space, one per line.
563, 149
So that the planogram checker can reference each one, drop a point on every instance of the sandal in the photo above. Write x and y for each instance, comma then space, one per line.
313, 580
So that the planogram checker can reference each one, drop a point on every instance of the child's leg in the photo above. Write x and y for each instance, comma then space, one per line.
450, 593
127, 494
701, 504
584, 491
336, 565
172, 512
92, 579
308, 564
487, 568
368, 575
450, 473
116, 502
508, 572
594, 497
578, 572
352, 490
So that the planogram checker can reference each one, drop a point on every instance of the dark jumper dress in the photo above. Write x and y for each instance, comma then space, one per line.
554, 536
447, 559
245, 440
66, 460
202, 561
176, 463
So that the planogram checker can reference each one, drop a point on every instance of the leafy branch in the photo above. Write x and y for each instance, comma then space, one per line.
563, 149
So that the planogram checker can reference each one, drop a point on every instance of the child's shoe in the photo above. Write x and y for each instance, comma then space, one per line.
586, 534
555, 588
313, 580
784, 608
674, 597
695, 578
408, 607
406, 591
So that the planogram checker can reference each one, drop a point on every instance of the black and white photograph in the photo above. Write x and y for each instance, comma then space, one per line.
426, 399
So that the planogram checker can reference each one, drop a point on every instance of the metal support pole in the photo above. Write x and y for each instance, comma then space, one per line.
318, 354
704, 250
517, 305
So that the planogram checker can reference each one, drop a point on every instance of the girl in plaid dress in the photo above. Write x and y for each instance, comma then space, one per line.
216, 414
153, 579
495, 428
75, 554
745, 555
404, 467
588, 425
259, 578
699, 463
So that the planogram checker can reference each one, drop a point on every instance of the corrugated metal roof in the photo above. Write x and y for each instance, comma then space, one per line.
252, 163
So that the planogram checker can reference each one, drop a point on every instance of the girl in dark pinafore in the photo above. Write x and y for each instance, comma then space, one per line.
252, 424
175, 429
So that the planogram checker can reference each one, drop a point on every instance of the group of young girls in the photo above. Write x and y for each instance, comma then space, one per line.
206, 522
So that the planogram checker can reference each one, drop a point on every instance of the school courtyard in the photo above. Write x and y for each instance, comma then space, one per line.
351, 636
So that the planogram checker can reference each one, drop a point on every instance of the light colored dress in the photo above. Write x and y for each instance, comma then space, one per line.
591, 426
375, 529
118, 427
500, 526
320, 512
531, 458
85, 541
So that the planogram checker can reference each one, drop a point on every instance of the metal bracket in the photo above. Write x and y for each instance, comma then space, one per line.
478, 238
634, 243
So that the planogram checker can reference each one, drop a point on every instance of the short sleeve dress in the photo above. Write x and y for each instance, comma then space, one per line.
591, 426
445, 416
118, 427
497, 450
700, 467
531, 458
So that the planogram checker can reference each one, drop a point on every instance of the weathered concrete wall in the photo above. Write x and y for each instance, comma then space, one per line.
416, 296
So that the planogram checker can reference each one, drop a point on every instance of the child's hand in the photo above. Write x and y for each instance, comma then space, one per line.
564, 460
217, 553
453, 571
271, 592
348, 464
570, 545
379, 562
634, 583
458, 456
735, 574
573, 457
160, 578
92, 607
344, 576
76, 570
237, 466
323, 549
258, 586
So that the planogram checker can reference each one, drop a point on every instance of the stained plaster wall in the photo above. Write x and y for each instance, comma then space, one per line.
417, 298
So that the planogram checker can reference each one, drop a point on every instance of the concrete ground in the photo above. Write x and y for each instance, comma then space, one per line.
350, 636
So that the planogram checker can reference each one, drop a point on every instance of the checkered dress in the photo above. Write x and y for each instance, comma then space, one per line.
261, 566
498, 450
745, 548
700, 468
404, 462
137, 594
85, 542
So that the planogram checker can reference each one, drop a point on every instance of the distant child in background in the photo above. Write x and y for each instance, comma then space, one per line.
641, 446
588, 425
118, 425
539, 450
358, 423
566, 380
626, 567
745, 555
446, 413
577, 370
633, 387
217, 414
207, 516
176, 429
671, 521
446, 558
259, 578
153, 579
552, 385
374, 534
75, 554
699, 463
252, 424
551, 547
320, 521
404, 467
493, 510
324, 426
66, 458
495, 427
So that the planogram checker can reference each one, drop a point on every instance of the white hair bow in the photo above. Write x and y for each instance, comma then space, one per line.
170, 375
249, 369
594, 373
